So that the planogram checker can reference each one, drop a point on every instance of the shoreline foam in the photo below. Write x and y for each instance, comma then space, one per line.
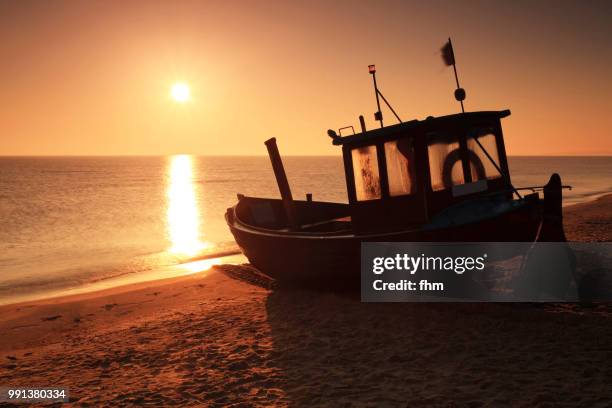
127, 279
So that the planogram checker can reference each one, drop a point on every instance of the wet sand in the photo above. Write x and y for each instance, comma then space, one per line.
590, 221
226, 337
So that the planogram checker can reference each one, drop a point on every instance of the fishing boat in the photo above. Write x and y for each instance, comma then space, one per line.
440, 179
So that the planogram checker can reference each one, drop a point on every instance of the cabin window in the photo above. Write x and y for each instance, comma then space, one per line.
483, 168
365, 170
445, 166
399, 156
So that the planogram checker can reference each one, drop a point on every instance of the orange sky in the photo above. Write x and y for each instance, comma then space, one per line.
92, 78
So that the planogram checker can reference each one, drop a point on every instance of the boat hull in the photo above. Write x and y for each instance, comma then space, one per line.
334, 259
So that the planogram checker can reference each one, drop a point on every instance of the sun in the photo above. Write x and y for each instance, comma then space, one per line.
180, 92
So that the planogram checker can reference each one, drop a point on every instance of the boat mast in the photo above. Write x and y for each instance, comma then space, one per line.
448, 56
459, 92
378, 114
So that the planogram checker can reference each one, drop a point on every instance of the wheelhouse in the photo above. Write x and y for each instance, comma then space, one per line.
405, 174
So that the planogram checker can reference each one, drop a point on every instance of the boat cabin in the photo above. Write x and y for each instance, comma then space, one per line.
405, 174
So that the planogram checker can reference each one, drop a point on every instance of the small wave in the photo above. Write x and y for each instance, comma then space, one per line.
219, 181
592, 193
217, 254
75, 277
578, 192
585, 197
72, 171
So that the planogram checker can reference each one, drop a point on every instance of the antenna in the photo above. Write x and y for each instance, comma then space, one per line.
378, 114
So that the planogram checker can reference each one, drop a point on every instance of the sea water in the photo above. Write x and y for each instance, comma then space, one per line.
66, 222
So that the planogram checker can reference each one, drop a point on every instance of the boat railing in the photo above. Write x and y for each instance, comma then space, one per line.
541, 188
534, 189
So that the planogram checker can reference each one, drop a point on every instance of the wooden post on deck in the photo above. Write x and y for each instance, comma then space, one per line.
362, 123
283, 184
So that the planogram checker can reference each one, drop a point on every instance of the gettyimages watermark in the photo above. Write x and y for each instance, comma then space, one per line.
486, 272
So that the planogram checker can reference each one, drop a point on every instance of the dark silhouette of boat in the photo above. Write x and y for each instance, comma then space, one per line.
443, 179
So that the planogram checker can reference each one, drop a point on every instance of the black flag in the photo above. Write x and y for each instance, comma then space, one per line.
448, 56
447, 53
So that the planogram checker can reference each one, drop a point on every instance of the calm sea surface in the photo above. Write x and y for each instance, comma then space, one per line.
66, 222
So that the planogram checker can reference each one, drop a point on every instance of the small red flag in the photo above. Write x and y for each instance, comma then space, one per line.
448, 56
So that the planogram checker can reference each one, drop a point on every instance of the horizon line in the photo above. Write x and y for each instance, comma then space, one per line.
262, 155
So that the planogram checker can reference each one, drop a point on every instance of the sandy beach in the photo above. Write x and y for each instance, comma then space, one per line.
227, 337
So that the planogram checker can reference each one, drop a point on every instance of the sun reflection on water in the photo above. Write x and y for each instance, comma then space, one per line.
183, 212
